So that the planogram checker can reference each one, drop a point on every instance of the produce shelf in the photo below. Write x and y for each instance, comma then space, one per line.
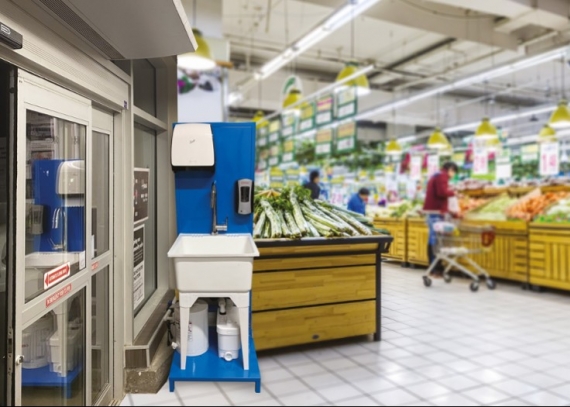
317, 289
399, 230
549, 255
417, 241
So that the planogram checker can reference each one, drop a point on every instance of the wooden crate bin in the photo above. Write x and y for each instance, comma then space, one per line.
549, 255
417, 241
316, 289
398, 229
508, 257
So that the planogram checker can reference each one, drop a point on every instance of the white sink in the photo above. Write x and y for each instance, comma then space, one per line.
213, 264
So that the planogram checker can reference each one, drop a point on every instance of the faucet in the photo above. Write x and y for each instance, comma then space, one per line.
214, 204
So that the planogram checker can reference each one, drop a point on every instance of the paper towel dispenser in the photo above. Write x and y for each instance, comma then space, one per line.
71, 178
192, 146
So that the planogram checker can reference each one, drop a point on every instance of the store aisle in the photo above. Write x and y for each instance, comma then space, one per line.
441, 346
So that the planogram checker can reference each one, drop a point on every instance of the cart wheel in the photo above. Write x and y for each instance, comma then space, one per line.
491, 285
427, 281
474, 286
447, 278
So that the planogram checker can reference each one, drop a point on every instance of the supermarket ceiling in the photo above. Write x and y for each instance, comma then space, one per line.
413, 44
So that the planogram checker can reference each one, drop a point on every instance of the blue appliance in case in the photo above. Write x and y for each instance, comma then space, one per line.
230, 165
59, 186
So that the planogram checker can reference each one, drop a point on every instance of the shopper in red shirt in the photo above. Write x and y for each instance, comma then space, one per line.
437, 197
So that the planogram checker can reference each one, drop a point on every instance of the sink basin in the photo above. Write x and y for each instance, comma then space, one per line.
213, 264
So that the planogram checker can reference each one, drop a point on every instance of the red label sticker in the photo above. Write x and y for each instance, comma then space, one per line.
95, 266
56, 275
58, 295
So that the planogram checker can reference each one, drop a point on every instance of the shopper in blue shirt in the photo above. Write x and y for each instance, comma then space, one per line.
358, 201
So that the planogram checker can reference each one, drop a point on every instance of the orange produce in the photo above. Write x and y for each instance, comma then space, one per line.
467, 204
529, 208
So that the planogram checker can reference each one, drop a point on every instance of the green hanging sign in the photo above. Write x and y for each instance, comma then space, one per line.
347, 103
307, 121
262, 156
292, 176
276, 178
323, 139
325, 108
274, 131
274, 155
262, 133
346, 137
288, 151
288, 124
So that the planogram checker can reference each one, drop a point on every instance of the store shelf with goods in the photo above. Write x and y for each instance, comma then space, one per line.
316, 289
549, 255
399, 231
417, 241
507, 258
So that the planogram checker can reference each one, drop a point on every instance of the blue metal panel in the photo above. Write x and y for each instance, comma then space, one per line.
234, 149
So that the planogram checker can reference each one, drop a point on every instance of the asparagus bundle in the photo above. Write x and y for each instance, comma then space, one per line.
292, 214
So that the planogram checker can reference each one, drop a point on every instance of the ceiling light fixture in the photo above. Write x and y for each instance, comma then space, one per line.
547, 134
291, 103
340, 17
560, 118
394, 148
486, 131
360, 82
438, 140
468, 81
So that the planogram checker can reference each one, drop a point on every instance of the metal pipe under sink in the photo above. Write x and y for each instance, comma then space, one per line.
214, 205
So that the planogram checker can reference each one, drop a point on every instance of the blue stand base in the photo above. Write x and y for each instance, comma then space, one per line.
211, 368
44, 377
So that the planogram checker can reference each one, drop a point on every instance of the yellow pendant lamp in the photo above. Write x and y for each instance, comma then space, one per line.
486, 130
360, 82
394, 148
547, 134
293, 98
258, 118
201, 59
438, 141
560, 118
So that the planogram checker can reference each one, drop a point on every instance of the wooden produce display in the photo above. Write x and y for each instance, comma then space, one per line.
417, 241
316, 289
549, 255
398, 230
508, 256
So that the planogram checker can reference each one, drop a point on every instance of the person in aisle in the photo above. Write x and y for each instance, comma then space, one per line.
313, 184
357, 202
437, 198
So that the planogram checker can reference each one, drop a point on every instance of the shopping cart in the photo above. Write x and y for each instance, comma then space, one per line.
455, 242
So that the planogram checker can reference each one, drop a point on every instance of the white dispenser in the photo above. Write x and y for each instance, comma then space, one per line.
228, 330
197, 329
192, 146
71, 178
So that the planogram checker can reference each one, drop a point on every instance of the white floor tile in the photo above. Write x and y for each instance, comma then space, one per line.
245, 394
405, 378
428, 390
265, 402
545, 398
374, 385
514, 387
458, 382
206, 400
357, 373
307, 369
543, 380
563, 391
323, 380
435, 371
359, 401
153, 399
275, 375
512, 403
339, 364
193, 389
127, 401
453, 399
307, 398
340, 392
486, 376
396, 397
286, 387
485, 395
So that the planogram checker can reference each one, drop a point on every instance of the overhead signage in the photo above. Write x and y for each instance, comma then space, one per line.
289, 124
480, 161
549, 159
57, 275
324, 139
325, 106
416, 167
276, 178
262, 133
346, 137
288, 154
307, 121
274, 131
503, 165
347, 103
432, 164
274, 155
292, 175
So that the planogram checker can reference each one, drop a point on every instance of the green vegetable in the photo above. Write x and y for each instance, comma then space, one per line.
257, 231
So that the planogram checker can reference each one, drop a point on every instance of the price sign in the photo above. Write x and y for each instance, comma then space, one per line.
324, 140
346, 137
274, 131
480, 161
549, 159
307, 117
432, 164
325, 110
288, 151
346, 102
416, 168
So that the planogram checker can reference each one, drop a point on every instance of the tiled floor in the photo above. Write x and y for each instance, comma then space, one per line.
442, 346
